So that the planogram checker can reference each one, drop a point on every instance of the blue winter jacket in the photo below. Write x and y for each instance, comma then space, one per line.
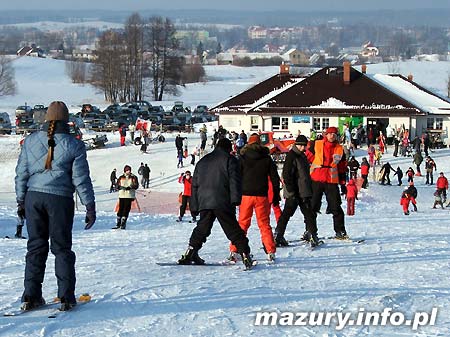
69, 172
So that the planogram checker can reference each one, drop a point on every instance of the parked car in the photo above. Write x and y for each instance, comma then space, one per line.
25, 123
138, 105
113, 109
178, 107
39, 111
5, 124
23, 110
88, 108
201, 109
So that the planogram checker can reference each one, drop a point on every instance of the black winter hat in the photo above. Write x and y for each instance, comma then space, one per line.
301, 140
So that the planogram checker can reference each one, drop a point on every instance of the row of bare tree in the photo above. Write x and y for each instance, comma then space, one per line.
143, 58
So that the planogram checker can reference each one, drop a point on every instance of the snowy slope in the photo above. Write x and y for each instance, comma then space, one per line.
404, 263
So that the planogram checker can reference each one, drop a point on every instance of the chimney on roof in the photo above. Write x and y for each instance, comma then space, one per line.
364, 68
284, 69
346, 73
410, 77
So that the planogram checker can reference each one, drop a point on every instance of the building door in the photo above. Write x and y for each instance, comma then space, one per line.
377, 125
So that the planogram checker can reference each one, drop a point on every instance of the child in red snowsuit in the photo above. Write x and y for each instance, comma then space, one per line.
352, 195
405, 200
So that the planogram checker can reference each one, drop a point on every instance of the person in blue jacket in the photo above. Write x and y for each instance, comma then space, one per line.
52, 165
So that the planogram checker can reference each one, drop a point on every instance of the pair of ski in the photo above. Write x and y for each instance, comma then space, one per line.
51, 312
348, 240
207, 264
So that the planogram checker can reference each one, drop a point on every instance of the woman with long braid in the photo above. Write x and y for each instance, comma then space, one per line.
51, 166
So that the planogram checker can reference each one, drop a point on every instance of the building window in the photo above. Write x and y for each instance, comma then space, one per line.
316, 124
439, 123
430, 123
254, 123
276, 123
325, 123
285, 123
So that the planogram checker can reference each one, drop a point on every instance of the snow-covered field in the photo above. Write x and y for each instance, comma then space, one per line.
403, 264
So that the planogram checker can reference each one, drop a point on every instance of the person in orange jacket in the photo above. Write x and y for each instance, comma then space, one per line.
256, 165
352, 195
328, 167
442, 185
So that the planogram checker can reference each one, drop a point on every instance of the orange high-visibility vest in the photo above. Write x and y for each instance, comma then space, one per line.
318, 160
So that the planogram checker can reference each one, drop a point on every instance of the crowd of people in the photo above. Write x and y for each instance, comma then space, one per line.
237, 172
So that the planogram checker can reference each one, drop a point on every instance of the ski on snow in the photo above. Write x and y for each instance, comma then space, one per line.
49, 307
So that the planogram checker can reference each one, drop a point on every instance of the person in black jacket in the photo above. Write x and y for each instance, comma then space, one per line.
353, 165
298, 192
386, 169
257, 167
216, 191
113, 179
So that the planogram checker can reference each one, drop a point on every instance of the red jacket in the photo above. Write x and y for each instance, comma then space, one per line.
352, 189
442, 182
322, 168
365, 168
187, 185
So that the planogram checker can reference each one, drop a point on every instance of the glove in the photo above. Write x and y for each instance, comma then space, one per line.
343, 190
91, 215
21, 210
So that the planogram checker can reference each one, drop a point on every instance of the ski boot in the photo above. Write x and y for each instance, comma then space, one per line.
407, 213
232, 258
18, 234
67, 305
191, 257
314, 240
341, 236
271, 257
247, 260
180, 219
119, 222
281, 242
415, 208
30, 304
123, 223
305, 236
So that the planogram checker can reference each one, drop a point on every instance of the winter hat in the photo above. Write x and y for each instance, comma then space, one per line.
127, 168
254, 138
187, 172
57, 111
332, 129
301, 140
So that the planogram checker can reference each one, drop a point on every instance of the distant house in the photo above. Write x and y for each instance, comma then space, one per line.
30, 51
296, 57
287, 103
83, 54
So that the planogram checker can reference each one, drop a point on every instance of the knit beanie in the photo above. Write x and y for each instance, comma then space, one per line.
57, 111
301, 140
332, 129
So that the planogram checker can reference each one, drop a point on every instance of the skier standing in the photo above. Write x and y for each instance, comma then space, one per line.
127, 185
352, 195
430, 165
145, 176
52, 165
410, 174
298, 192
412, 191
113, 179
256, 165
186, 180
399, 174
442, 185
353, 165
123, 134
328, 165
365, 172
438, 199
216, 191
386, 169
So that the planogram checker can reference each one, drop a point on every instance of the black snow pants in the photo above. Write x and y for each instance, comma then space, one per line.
290, 206
49, 216
230, 226
334, 202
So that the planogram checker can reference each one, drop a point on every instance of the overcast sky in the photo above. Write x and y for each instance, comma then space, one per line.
248, 5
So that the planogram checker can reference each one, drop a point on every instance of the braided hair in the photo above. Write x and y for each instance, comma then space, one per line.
51, 144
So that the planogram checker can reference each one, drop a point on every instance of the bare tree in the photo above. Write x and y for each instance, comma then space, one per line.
134, 39
109, 68
448, 86
77, 71
7, 82
165, 63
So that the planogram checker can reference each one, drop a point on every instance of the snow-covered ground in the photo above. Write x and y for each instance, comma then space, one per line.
403, 264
